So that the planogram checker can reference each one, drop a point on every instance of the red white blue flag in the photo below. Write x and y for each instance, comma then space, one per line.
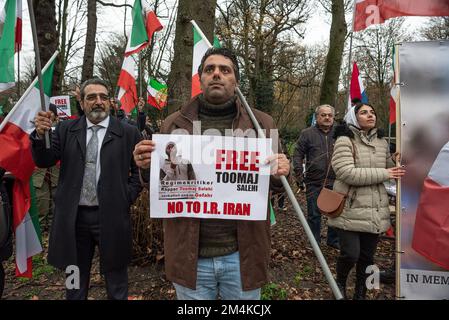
356, 89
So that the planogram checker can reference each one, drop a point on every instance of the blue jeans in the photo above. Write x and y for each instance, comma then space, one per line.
218, 277
314, 218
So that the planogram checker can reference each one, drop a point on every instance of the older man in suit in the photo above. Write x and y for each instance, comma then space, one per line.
98, 182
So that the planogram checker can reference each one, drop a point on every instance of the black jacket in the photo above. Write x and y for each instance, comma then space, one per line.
316, 148
118, 187
5, 221
342, 130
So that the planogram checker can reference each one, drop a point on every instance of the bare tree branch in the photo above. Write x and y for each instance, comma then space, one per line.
113, 4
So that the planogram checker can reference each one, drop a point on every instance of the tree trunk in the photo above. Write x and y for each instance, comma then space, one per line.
89, 50
47, 37
338, 32
180, 77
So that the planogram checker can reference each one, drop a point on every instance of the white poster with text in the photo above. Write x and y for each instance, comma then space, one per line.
216, 177
62, 104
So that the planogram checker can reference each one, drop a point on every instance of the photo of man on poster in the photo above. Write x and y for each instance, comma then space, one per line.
175, 167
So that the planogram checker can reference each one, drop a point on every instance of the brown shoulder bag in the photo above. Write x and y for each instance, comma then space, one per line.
329, 202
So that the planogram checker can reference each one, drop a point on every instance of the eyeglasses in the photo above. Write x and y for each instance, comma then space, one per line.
92, 97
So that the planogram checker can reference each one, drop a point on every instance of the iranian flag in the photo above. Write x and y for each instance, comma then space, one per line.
431, 234
15, 157
200, 47
157, 94
26, 226
369, 12
145, 23
356, 89
127, 83
7, 44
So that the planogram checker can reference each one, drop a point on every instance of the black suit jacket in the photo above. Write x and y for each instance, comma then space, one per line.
118, 187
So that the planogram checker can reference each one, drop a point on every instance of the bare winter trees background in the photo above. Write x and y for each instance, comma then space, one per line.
280, 72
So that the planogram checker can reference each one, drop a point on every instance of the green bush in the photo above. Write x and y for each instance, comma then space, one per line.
41, 267
273, 291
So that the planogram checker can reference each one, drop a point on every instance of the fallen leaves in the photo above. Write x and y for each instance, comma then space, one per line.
294, 271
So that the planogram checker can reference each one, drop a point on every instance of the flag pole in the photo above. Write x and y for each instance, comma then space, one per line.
31, 86
390, 124
291, 195
18, 73
389, 132
399, 251
140, 73
38, 66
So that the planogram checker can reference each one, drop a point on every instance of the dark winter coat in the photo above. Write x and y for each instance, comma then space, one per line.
118, 187
315, 147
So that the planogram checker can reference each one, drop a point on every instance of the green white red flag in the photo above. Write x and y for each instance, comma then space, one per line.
157, 94
15, 157
127, 83
145, 23
200, 47
7, 44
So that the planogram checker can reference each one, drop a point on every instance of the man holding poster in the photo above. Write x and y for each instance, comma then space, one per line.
211, 258
98, 182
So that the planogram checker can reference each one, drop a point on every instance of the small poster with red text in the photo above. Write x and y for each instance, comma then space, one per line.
62, 104
217, 177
